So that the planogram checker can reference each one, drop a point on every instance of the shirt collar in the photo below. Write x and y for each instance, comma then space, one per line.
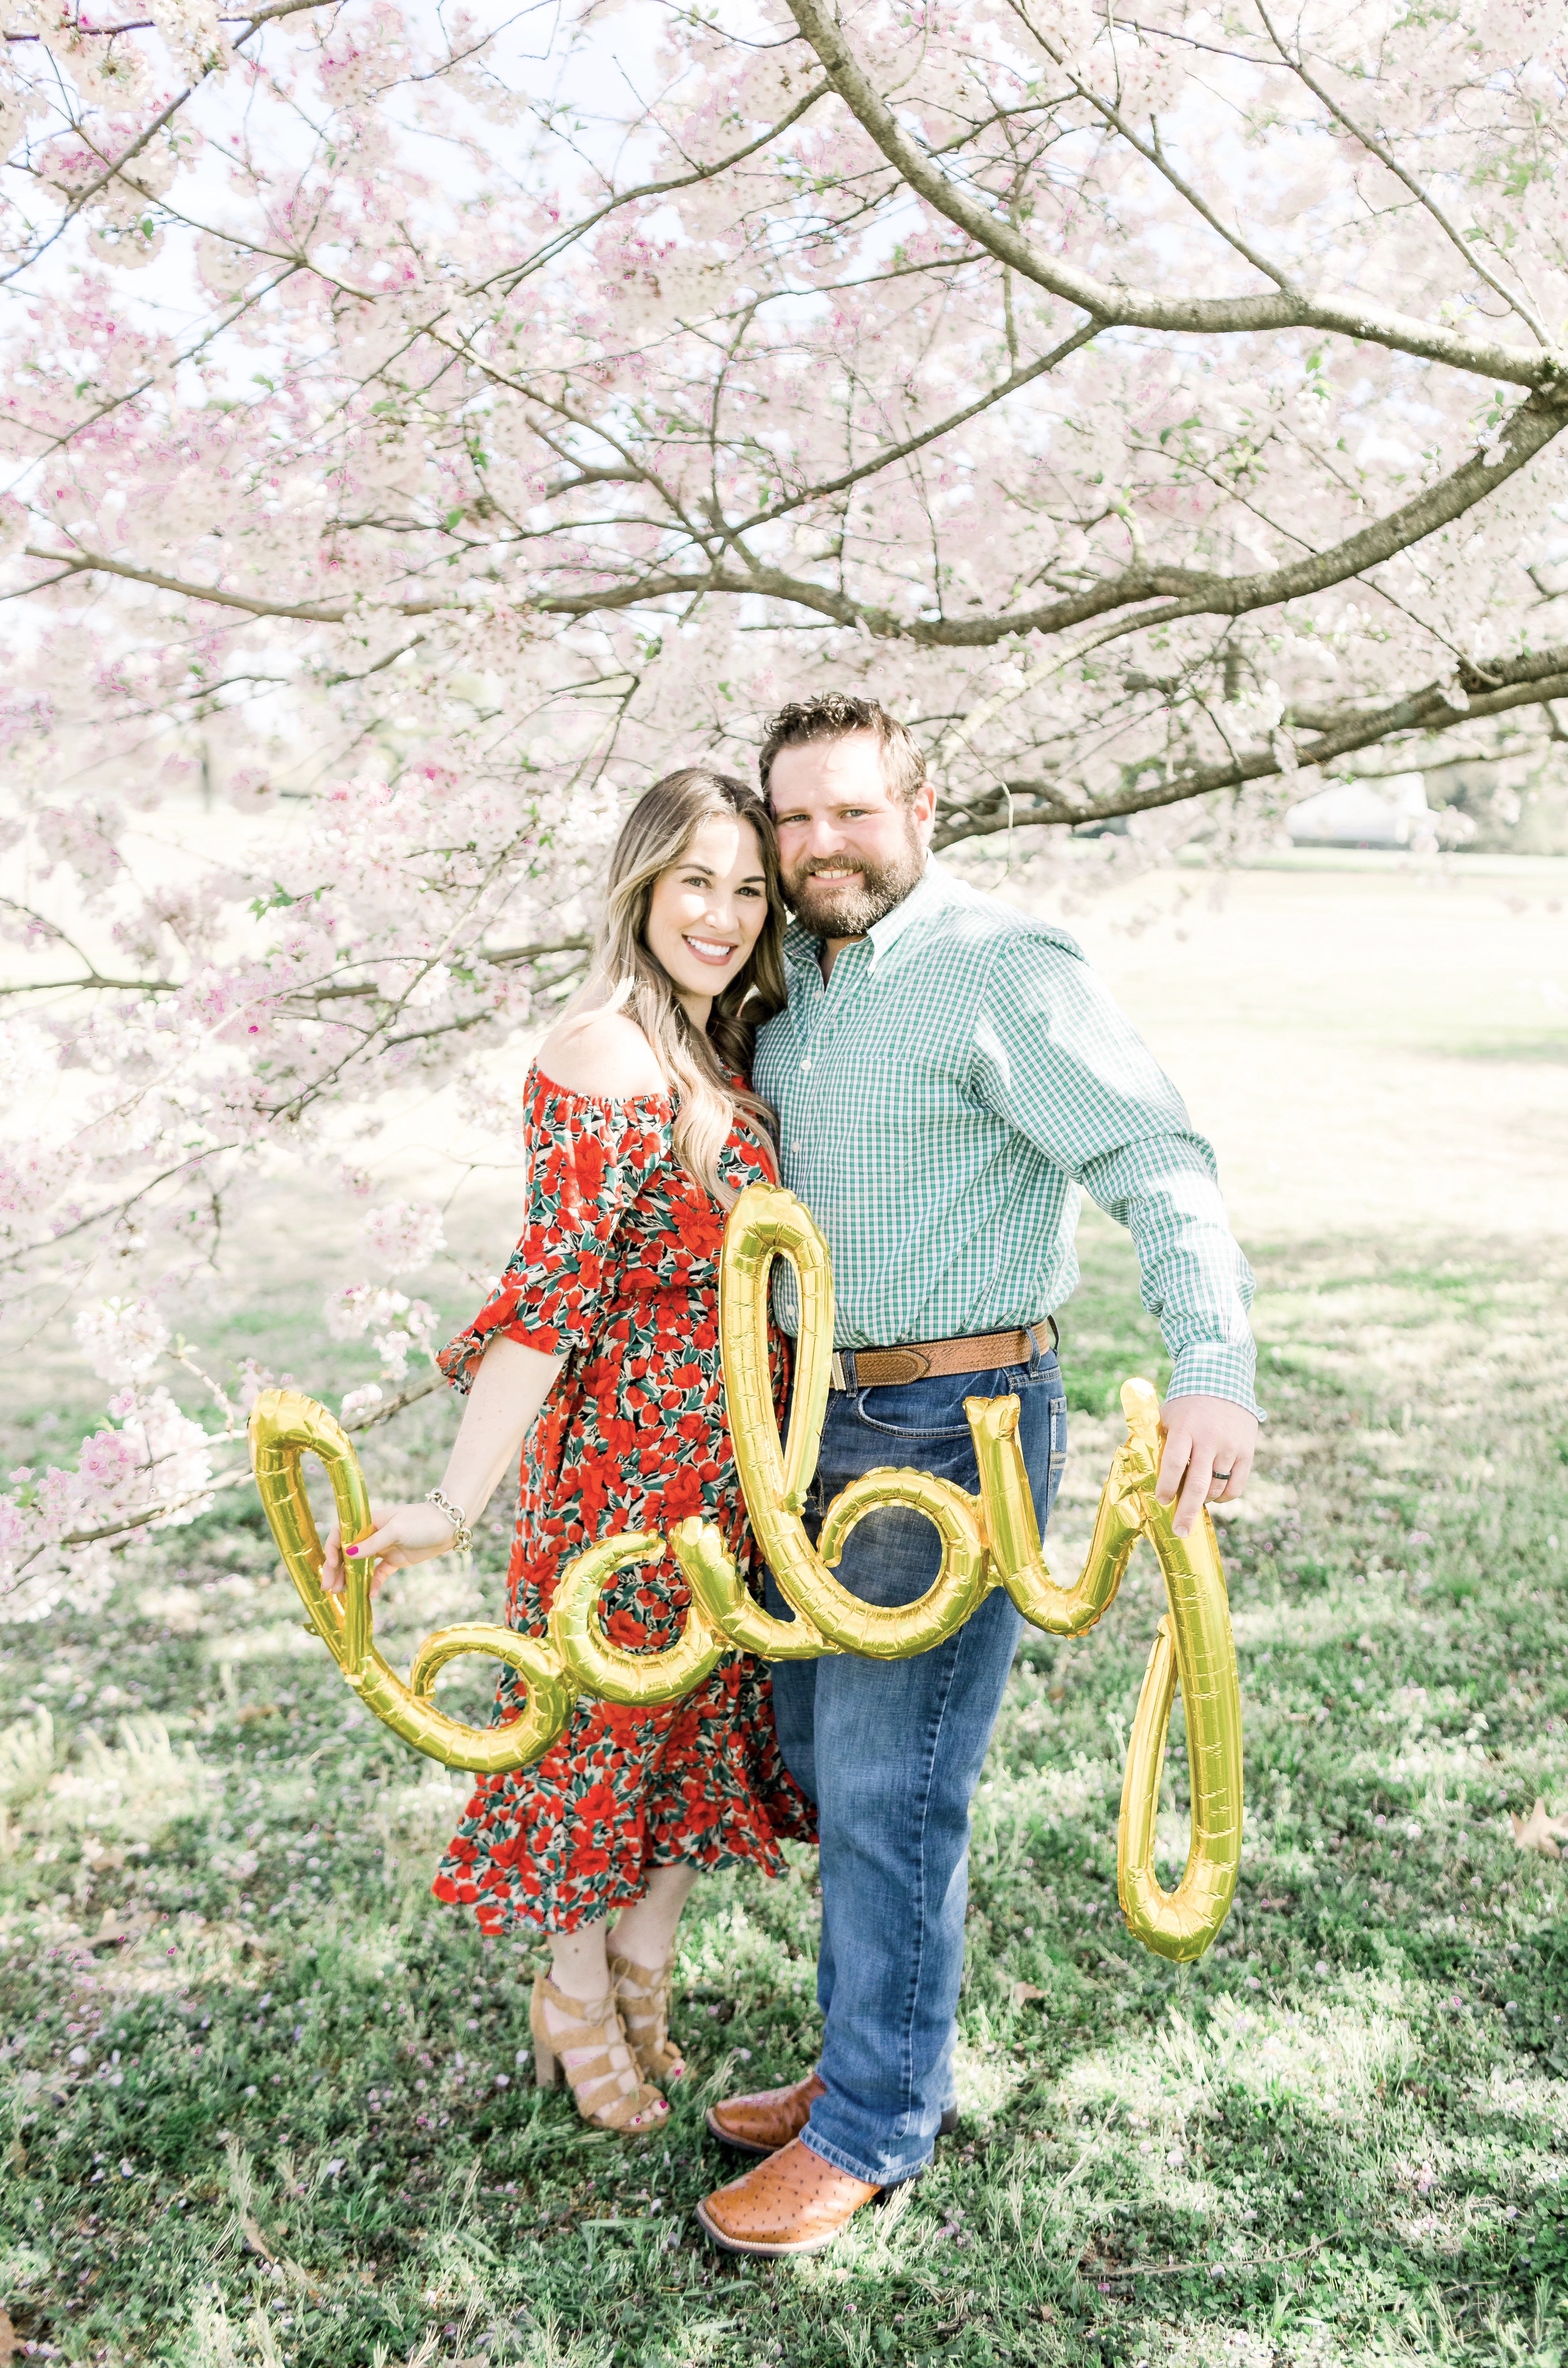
930, 893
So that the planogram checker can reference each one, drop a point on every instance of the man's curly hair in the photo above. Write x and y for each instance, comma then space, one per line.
834, 716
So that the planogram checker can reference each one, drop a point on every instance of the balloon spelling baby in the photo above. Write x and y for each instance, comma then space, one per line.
991, 1540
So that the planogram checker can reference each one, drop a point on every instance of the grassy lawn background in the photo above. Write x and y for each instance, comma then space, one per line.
265, 2103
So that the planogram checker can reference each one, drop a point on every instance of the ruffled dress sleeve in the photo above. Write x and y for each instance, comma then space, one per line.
587, 1160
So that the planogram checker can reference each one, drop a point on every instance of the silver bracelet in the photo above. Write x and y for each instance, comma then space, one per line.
463, 1533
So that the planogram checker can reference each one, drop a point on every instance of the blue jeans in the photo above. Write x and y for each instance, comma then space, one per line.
892, 1752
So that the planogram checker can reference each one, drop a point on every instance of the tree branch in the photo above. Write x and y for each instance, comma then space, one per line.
92, 980
114, 1208
1424, 198
1023, 376
1506, 683
312, 612
1532, 426
140, 1519
1154, 154
1112, 306
516, 273
1187, 592
77, 198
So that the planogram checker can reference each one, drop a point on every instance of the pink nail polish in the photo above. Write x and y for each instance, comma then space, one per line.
351, 1550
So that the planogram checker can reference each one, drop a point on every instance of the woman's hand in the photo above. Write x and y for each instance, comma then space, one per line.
403, 1534
512, 1383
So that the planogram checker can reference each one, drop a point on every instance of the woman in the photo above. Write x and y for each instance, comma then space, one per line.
598, 1360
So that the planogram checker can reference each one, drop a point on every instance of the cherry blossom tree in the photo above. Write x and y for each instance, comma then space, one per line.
422, 427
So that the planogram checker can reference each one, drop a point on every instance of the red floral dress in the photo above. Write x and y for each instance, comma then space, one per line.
618, 1272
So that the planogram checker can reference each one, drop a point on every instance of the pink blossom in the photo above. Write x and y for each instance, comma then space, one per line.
106, 1459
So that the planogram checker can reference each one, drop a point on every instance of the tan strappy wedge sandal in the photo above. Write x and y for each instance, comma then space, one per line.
642, 1995
604, 2084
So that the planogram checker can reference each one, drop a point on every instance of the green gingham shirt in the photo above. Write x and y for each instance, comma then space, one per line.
940, 1103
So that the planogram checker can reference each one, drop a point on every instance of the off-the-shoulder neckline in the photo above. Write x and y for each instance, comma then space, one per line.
606, 1101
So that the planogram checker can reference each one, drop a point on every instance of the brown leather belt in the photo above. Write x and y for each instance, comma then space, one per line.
914, 1360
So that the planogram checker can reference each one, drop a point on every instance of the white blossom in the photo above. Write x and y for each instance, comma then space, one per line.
191, 30
121, 1339
403, 1235
361, 1307
392, 1347
173, 1457
429, 989
82, 1577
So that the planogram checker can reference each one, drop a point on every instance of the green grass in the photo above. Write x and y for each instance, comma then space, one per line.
253, 2074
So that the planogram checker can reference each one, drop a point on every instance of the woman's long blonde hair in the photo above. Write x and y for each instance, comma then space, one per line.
703, 1070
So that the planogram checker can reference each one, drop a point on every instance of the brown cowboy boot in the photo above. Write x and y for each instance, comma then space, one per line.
792, 2202
769, 2118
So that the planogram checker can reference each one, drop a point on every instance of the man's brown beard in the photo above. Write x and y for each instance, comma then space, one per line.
849, 908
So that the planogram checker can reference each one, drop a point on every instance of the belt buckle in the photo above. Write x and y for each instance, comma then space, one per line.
835, 1372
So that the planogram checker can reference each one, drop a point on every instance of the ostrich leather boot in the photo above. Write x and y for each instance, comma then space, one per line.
767, 2119
791, 2203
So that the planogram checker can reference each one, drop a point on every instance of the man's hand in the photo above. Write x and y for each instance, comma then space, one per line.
1209, 1444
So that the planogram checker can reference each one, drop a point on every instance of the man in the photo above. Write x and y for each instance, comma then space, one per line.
948, 1074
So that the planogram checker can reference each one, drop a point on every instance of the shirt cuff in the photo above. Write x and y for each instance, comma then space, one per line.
1211, 1369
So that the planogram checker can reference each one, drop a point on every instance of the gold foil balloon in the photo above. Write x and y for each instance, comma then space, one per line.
597, 1667
285, 1425
768, 1223
987, 1541
717, 1584
1194, 1642
1016, 1559
1194, 1645
765, 1223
